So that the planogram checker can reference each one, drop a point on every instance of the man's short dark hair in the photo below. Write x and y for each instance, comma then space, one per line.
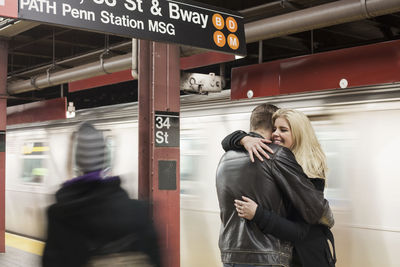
261, 117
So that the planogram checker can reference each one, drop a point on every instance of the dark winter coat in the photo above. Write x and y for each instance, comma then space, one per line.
93, 217
310, 241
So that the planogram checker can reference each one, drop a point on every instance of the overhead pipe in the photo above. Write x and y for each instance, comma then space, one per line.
134, 59
318, 17
67, 61
257, 11
101, 67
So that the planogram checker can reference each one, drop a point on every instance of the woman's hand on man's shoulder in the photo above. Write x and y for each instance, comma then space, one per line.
256, 146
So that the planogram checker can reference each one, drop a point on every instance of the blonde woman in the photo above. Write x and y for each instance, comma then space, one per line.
292, 129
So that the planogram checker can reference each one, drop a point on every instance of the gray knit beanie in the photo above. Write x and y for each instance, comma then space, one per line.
90, 149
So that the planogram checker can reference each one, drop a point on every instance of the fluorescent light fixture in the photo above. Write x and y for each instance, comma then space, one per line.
239, 57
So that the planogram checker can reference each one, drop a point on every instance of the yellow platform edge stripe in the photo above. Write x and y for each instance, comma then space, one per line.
25, 244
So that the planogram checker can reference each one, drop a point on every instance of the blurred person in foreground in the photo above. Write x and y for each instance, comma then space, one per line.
270, 183
94, 222
293, 130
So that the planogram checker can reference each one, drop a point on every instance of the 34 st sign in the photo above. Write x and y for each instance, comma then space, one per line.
176, 21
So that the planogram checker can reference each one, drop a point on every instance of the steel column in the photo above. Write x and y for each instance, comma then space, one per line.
3, 123
159, 75
146, 112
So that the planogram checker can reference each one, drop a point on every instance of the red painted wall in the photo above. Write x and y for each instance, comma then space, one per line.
204, 59
113, 78
9, 9
361, 66
54, 109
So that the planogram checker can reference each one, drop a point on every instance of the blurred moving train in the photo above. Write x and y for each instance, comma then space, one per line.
358, 129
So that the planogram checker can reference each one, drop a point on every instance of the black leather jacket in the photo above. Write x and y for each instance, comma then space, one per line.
267, 183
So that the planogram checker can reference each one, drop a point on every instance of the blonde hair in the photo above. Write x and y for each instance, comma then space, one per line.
305, 147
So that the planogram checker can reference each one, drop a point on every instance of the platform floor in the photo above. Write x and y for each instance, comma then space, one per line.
21, 252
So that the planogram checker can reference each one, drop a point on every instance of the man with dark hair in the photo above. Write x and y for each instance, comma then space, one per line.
94, 222
268, 183
261, 118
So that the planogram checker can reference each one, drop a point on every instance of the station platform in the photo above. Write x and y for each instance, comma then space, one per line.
21, 252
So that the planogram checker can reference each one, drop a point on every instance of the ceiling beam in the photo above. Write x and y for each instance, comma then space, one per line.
34, 41
27, 54
18, 27
71, 43
287, 42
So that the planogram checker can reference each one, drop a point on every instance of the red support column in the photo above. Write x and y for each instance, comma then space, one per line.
145, 120
159, 154
3, 123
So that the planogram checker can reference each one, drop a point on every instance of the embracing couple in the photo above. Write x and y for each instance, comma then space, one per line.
272, 209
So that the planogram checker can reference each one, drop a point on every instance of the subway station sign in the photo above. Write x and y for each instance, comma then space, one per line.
176, 21
166, 133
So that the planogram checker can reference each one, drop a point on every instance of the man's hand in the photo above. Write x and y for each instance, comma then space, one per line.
255, 145
247, 208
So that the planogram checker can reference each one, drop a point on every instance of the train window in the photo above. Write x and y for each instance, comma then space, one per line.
190, 163
333, 154
110, 148
188, 167
34, 156
336, 142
